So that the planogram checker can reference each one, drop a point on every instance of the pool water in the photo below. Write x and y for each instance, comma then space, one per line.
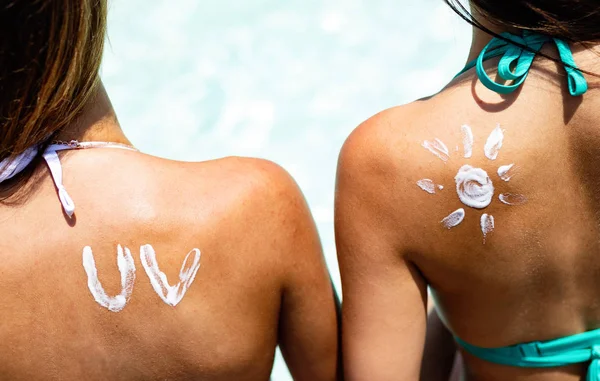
282, 80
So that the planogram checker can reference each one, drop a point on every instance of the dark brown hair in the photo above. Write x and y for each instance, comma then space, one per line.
571, 20
51, 52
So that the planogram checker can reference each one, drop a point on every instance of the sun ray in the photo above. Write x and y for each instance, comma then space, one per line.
454, 218
487, 225
494, 143
429, 186
506, 172
438, 148
467, 136
512, 199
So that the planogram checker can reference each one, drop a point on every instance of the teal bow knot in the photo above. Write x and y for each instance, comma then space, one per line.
515, 63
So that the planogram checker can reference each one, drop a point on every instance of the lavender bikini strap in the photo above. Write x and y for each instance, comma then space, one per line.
9, 168
53, 162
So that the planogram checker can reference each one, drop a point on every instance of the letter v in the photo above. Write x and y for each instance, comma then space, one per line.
171, 295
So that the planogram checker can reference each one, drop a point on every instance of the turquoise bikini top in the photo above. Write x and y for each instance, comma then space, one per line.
580, 348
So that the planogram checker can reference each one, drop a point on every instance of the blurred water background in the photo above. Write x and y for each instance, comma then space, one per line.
281, 80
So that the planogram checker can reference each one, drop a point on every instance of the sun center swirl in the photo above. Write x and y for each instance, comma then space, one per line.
474, 187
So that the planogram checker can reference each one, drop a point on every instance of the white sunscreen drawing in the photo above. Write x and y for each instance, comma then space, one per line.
438, 148
454, 218
467, 137
506, 172
428, 186
127, 270
487, 225
512, 199
494, 143
171, 295
474, 187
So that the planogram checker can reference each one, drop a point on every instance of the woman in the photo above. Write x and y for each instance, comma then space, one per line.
487, 193
122, 266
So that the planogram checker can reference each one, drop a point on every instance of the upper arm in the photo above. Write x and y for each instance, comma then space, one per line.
308, 330
308, 327
384, 305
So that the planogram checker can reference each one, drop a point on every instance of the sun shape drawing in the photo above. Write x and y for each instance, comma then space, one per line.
474, 187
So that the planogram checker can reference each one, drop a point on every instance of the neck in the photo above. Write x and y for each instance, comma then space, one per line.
481, 38
97, 122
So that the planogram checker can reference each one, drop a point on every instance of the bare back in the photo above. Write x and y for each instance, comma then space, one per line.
531, 276
261, 281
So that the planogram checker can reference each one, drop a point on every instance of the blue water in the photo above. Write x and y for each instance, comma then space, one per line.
282, 80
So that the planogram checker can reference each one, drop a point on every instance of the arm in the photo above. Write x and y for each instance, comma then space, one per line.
385, 296
308, 326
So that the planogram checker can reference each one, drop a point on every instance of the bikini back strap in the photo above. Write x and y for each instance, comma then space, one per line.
576, 349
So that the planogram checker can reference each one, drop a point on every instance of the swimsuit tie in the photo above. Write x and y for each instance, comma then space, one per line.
66, 201
515, 63
12, 167
53, 161
593, 373
511, 54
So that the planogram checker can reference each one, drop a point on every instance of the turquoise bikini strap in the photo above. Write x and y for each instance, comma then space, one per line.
512, 54
580, 348
522, 59
577, 83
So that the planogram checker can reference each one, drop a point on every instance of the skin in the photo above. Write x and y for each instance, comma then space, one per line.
536, 277
262, 280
